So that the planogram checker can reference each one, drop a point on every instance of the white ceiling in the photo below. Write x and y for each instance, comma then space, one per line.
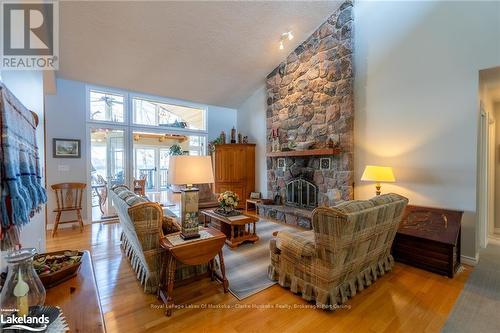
209, 52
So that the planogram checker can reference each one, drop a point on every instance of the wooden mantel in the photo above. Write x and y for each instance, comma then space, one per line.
310, 152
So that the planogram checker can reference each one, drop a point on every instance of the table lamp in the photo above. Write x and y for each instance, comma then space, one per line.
378, 174
189, 170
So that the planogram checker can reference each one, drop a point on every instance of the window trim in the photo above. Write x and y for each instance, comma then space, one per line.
128, 111
165, 100
105, 90
128, 127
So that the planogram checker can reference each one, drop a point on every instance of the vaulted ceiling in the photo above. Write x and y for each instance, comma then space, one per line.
209, 52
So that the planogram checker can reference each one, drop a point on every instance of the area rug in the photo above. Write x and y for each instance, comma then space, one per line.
246, 265
476, 309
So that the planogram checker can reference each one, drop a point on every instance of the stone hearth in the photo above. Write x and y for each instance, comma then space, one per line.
290, 215
310, 100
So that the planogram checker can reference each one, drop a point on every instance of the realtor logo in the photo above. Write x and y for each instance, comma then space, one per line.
30, 37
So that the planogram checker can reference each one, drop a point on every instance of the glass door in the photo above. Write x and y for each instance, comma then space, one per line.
151, 155
163, 174
107, 156
145, 166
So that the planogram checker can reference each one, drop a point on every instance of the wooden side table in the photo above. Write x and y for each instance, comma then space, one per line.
429, 238
194, 252
253, 202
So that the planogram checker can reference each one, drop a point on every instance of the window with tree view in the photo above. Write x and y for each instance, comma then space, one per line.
106, 107
147, 112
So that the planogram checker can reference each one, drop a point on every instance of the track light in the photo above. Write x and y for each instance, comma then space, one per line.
286, 35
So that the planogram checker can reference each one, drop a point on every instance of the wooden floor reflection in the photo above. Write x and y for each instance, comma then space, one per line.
405, 300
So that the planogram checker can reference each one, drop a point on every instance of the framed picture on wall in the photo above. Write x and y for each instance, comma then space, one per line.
66, 148
325, 163
281, 164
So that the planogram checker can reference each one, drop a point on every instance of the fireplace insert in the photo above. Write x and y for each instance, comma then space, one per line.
301, 193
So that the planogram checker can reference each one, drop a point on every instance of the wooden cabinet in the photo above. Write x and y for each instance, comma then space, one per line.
234, 166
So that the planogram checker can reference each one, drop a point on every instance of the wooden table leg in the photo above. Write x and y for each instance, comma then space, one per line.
170, 285
225, 283
161, 278
211, 267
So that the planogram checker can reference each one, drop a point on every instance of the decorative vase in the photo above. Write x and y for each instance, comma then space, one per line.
228, 209
23, 288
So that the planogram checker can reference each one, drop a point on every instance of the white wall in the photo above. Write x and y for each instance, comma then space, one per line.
27, 86
220, 119
252, 122
66, 118
416, 99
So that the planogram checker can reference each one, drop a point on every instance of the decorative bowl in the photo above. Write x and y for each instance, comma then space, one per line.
54, 268
304, 145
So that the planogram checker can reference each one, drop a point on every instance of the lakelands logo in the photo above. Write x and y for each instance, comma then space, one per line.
30, 36
24, 323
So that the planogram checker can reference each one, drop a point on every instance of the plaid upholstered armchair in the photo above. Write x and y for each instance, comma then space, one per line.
348, 248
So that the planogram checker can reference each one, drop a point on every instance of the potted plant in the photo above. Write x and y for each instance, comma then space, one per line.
175, 150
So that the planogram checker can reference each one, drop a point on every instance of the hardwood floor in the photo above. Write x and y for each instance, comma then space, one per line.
405, 300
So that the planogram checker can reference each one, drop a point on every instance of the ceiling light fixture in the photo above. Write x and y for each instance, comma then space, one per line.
286, 35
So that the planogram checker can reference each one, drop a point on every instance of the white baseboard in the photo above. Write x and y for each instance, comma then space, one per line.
471, 261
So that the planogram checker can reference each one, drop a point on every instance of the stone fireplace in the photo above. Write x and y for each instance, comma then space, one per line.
310, 101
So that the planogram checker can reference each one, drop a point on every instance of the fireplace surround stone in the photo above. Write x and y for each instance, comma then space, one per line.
310, 99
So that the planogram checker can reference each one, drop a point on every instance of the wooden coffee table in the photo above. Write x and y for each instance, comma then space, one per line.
77, 293
194, 252
238, 229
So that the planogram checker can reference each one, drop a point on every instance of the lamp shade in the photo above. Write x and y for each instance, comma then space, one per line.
188, 170
378, 174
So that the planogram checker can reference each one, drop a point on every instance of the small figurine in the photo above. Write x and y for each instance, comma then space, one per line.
245, 139
291, 143
275, 140
233, 135
330, 143
240, 138
222, 137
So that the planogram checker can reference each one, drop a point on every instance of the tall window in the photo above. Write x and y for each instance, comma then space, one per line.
151, 113
106, 106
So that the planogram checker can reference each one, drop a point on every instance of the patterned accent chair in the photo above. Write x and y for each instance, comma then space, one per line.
348, 249
143, 224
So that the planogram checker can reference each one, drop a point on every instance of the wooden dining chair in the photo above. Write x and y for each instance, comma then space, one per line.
140, 185
69, 198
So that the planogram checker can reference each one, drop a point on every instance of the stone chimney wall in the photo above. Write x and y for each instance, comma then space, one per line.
310, 99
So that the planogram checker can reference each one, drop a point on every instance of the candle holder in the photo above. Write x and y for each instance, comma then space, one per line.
23, 288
